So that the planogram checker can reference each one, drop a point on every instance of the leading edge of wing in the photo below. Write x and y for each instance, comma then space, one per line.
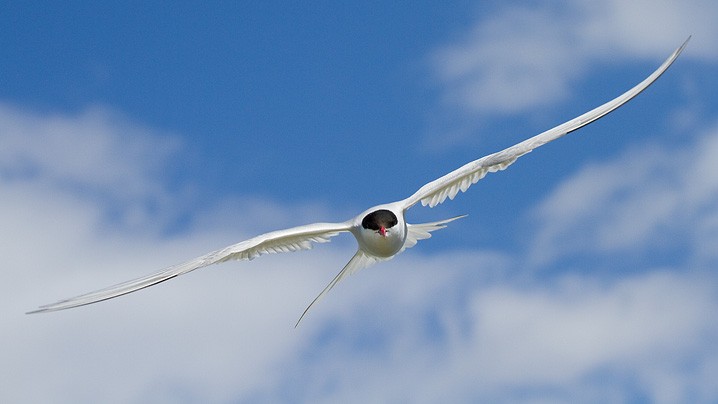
461, 179
287, 240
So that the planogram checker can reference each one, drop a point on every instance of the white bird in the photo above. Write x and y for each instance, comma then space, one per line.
381, 231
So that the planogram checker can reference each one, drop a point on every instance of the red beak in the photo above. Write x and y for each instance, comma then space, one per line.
382, 231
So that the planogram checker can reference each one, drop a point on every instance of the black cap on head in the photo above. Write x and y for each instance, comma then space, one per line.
379, 218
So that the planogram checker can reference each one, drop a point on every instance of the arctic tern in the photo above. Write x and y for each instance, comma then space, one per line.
381, 231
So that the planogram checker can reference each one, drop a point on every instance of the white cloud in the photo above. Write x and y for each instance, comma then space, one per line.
530, 56
578, 326
651, 196
232, 324
644, 28
208, 336
651, 335
509, 63
96, 154
456, 325
459, 326
585, 335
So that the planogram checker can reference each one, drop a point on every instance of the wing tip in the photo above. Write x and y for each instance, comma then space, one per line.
47, 308
680, 49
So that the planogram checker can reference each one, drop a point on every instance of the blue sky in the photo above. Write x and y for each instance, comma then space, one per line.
136, 137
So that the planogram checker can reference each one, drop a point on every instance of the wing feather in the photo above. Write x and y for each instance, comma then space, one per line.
288, 240
462, 178
423, 231
359, 261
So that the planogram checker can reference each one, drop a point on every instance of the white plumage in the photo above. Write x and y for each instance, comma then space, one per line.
381, 232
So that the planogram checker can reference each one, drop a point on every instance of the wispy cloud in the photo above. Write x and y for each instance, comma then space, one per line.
461, 326
650, 196
56, 242
92, 154
531, 56
508, 340
471, 323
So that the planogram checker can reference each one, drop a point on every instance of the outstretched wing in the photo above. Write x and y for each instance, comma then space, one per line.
461, 179
293, 239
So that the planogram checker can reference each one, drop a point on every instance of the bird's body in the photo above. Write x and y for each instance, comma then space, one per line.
381, 231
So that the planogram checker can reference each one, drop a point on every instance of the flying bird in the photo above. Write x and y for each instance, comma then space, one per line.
381, 231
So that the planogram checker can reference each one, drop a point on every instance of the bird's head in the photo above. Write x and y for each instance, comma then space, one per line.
380, 221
